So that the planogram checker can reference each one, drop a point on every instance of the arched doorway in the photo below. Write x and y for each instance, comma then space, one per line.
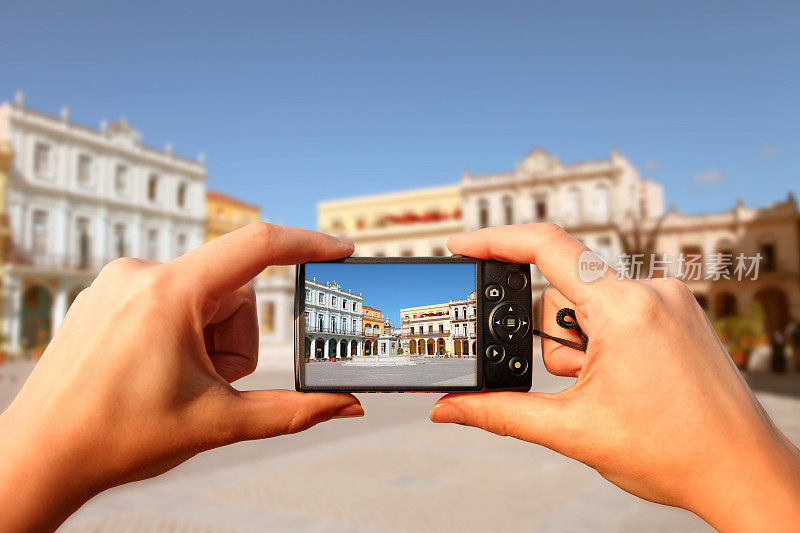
474, 348
308, 347
343, 348
440, 346
36, 317
353, 348
457, 348
367, 347
776, 309
332, 344
412, 347
421, 344
319, 349
431, 347
465, 347
725, 305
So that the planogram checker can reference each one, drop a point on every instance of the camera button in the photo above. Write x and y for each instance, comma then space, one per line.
494, 293
495, 353
518, 365
517, 281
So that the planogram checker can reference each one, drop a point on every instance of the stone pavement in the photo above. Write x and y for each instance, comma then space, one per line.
390, 471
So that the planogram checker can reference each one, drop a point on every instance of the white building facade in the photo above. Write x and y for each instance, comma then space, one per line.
332, 321
78, 198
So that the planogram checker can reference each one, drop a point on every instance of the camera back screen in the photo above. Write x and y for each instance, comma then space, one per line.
390, 325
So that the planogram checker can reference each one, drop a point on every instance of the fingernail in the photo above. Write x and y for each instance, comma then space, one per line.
443, 413
350, 411
343, 240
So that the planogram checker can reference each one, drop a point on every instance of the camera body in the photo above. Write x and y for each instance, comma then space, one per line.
464, 325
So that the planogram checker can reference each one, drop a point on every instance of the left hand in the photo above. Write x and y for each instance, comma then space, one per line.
137, 378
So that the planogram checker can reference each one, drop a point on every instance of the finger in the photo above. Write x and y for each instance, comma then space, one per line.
231, 335
549, 247
559, 360
268, 413
535, 417
231, 260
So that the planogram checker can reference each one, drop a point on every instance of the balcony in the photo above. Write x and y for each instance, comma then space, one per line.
334, 331
72, 263
460, 335
427, 334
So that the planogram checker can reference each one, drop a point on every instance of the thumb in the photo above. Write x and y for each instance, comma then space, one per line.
269, 413
535, 417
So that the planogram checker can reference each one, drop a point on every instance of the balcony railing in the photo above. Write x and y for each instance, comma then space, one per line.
427, 334
337, 331
461, 335
56, 261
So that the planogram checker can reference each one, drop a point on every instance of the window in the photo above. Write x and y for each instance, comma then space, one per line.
305, 317
82, 242
406, 253
438, 252
333, 324
354, 306
430, 328
119, 240
540, 207
456, 313
84, 171
321, 324
152, 244
457, 329
574, 201
39, 237
181, 196
268, 317
355, 325
464, 310
508, 210
412, 330
483, 213
333, 300
441, 328
152, 188
768, 263
308, 295
121, 180
321, 298
344, 304
601, 208
41, 161
182, 244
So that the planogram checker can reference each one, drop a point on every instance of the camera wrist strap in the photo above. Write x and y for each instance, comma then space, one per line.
572, 323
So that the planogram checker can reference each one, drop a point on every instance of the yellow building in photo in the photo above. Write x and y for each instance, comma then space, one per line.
372, 322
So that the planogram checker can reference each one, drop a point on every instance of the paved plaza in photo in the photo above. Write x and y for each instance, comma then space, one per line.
390, 471
428, 371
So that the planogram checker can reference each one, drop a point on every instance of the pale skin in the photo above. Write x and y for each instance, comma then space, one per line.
137, 380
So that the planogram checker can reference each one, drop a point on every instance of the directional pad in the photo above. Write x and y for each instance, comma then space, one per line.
509, 322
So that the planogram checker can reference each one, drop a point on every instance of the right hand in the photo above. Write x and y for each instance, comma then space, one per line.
658, 408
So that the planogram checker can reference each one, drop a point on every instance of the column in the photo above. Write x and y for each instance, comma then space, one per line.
326, 350
13, 308
59, 309
100, 244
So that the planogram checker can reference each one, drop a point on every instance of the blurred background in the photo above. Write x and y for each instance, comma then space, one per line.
664, 132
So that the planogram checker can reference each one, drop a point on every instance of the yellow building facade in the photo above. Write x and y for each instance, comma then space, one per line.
408, 223
372, 324
225, 213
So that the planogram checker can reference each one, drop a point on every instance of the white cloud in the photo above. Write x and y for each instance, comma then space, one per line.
707, 177
771, 152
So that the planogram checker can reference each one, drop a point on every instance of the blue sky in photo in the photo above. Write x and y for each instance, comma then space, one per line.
391, 287
297, 102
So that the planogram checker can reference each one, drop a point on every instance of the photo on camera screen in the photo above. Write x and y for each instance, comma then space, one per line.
390, 325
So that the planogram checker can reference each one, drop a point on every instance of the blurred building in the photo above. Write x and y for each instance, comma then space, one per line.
77, 197
225, 213
274, 287
603, 202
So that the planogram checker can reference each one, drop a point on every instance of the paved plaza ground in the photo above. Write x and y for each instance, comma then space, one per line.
426, 371
390, 471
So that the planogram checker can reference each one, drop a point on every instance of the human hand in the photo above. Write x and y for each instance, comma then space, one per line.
658, 408
136, 379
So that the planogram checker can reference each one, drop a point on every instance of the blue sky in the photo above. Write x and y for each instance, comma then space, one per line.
391, 287
296, 102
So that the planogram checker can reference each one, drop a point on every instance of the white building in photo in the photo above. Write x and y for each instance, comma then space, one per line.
332, 321
463, 320
78, 197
